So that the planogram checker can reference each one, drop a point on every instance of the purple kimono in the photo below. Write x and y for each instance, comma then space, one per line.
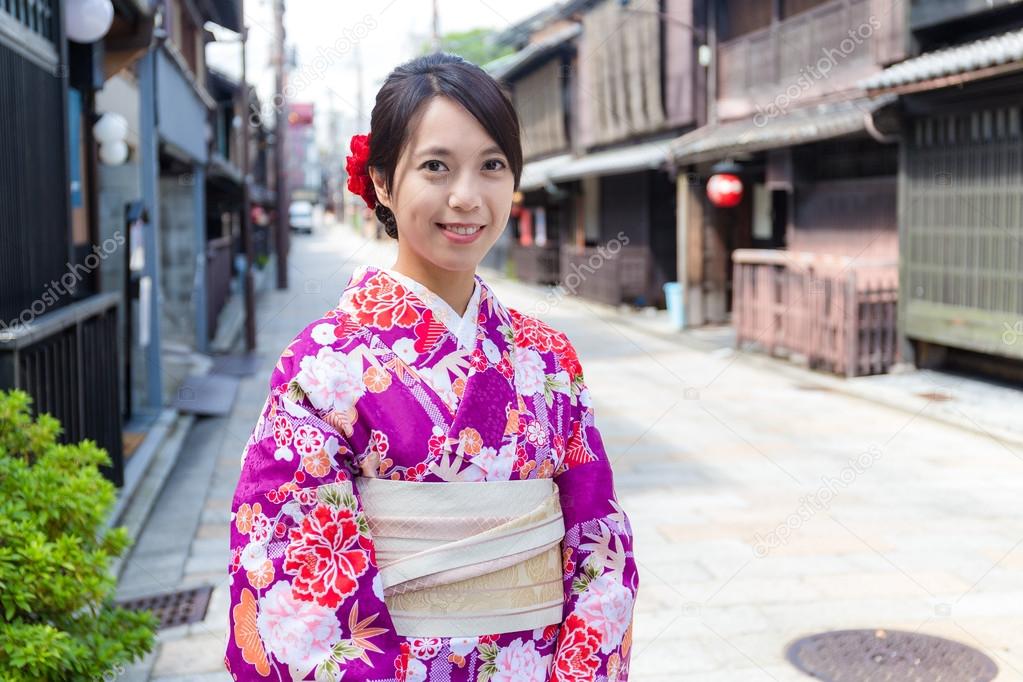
382, 386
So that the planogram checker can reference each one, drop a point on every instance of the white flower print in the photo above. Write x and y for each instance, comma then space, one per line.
529, 371
416, 671
462, 646
520, 662
536, 434
424, 648
404, 348
440, 381
491, 351
262, 526
323, 334
253, 555
498, 465
283, 454
298, 633
378, 586
606, 606
584, 398
331, 380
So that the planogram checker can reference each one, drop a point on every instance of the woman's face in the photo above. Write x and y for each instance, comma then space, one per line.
450, 174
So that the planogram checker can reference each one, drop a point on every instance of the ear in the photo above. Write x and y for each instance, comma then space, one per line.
379, 187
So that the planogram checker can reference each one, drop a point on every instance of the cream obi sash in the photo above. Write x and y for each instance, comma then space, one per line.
462, 559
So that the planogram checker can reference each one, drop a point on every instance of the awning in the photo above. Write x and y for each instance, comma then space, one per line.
534, 173
627, 158
952, 65
800, 126
511, 65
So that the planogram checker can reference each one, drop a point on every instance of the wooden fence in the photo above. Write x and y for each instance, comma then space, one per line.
833, 313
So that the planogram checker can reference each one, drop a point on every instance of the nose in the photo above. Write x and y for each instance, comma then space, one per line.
464, 194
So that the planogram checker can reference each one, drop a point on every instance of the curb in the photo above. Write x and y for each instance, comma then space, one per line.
133, 510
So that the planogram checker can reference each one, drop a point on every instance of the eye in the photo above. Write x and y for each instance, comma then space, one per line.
499, 161
433, 169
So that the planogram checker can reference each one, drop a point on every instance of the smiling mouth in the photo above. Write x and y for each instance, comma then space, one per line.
461, 228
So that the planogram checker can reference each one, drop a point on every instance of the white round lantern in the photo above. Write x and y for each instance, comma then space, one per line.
86, 21
113, 153
111, 127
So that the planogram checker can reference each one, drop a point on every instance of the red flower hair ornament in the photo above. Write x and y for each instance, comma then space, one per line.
359, 181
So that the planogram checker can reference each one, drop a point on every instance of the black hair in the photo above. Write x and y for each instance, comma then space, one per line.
399, 105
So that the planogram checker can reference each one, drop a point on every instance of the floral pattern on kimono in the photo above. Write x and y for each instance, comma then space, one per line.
379, 387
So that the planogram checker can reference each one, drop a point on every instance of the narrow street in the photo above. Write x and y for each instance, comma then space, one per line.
763, 510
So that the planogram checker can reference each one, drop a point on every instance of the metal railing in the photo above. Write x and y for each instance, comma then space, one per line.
67, 360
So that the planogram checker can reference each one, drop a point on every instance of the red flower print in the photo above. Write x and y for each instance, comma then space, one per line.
437, 444
283, 431
569, 362
324, 556
401, 663
532, 333
416, 473
384, 303
308, 439
478, 360
576, 660
505, 368
379, 443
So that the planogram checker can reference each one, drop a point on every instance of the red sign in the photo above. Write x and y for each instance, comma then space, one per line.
724, 190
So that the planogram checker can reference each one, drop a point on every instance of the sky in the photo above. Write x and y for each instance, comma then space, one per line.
324, 33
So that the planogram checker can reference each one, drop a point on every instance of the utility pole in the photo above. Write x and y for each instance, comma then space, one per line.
435, 37
250, 252
280, 129
359, 102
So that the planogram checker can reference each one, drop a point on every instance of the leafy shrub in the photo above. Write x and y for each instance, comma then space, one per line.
58, 620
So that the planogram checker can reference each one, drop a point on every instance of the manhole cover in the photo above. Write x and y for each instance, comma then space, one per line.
174, 608
881, 655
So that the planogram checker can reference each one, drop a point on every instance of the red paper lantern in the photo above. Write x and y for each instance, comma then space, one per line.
724, 190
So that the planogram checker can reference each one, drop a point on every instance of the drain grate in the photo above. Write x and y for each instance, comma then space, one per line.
881, 655
174, 608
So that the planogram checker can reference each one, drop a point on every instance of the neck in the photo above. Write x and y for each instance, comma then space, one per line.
455, 287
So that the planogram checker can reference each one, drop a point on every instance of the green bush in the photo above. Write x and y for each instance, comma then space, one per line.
58, 620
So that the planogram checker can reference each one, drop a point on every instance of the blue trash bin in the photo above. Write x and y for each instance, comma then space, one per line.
676, 307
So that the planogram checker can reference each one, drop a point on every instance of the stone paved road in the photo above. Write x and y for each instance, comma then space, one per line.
763, 510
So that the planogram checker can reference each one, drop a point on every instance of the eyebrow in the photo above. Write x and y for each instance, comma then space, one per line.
444, 151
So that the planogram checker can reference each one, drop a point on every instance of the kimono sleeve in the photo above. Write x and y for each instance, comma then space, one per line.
306, 595
601, 580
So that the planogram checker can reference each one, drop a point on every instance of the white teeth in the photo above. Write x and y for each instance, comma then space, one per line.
463, 230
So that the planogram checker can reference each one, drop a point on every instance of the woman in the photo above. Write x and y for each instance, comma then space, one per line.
425, 496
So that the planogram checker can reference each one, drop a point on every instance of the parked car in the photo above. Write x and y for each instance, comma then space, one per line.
300, 216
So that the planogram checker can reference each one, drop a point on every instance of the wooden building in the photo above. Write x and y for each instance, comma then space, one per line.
960, 186
806, 264
602, 87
